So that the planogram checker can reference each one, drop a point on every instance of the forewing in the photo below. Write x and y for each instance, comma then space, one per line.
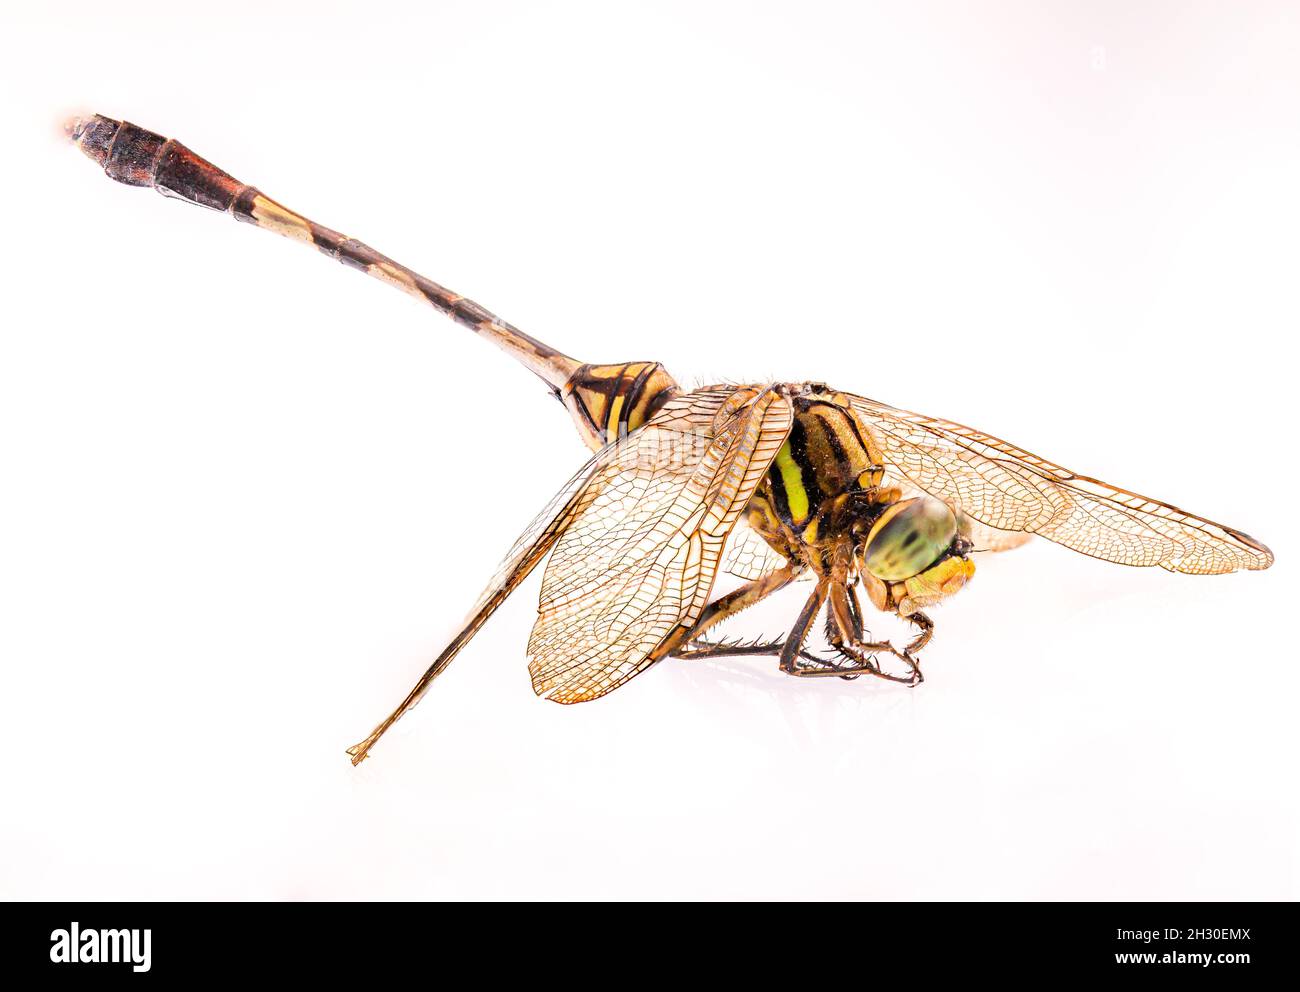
639, 562
1009, 489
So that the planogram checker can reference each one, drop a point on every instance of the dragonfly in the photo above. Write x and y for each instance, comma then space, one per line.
771, 482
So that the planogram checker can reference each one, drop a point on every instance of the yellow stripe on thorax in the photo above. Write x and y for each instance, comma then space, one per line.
792, 478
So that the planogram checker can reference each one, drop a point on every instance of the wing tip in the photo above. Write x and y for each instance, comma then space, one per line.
1262, 554
1250, 556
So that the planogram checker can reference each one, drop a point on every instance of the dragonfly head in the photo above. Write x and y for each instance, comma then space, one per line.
914, 556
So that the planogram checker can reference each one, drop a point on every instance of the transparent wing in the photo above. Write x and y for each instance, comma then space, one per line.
637, 564
985, 538
690, 417
528, 550
747, 556
1008, 489
695, 420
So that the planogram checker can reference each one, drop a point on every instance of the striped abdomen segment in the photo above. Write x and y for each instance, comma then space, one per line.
137, 157
608, 402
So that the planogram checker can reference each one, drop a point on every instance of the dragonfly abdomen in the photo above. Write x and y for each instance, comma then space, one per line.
136, 157
608, 402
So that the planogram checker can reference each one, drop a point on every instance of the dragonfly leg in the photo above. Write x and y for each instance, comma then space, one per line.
728, 606
703, 650
926, 626
844, 630
855, 621
695, 648
794, 641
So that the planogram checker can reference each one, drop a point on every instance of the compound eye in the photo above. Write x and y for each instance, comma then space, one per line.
908, 538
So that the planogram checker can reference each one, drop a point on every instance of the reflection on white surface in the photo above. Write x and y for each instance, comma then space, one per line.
1077, 747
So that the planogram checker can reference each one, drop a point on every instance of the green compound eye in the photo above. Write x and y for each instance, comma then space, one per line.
908, 538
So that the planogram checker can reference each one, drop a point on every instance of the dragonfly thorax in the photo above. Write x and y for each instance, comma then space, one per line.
826, 505
824, 482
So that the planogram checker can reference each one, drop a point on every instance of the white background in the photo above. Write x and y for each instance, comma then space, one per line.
248, 493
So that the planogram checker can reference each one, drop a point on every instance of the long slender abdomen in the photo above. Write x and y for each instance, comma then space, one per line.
136, 157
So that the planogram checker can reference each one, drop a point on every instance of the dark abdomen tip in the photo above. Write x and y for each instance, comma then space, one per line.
131, 155
93, 135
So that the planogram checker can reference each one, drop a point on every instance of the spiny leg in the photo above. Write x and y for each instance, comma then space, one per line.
693, 648
832, 631
846, 638
840, 617
687, 643
927, 631
706, 650
799, 633
917, 618
855, 618
789, 650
